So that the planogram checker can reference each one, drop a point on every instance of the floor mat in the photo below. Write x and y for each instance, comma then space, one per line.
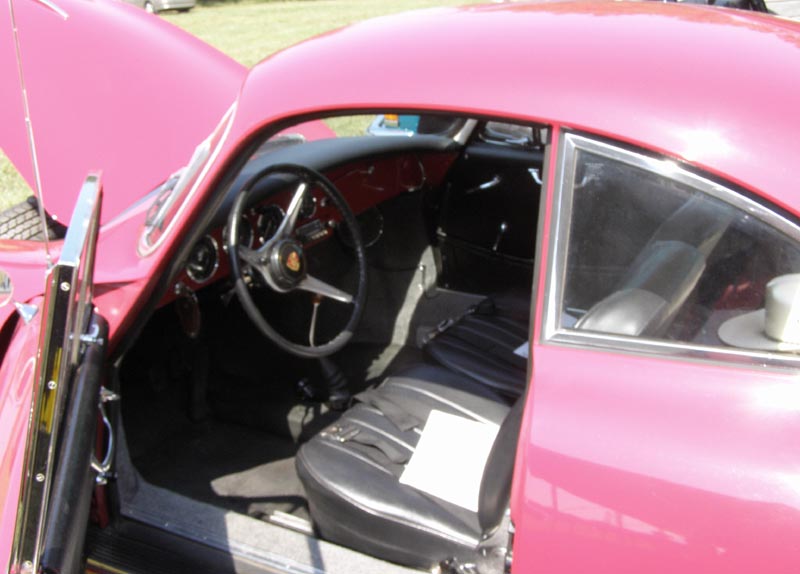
238, 468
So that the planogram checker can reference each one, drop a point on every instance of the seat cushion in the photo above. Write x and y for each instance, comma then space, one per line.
351, 472
422, 388
481, 345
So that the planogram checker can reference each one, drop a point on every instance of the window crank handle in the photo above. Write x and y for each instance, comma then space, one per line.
500, 233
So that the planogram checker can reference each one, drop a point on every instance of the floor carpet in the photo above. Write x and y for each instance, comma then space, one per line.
245, 470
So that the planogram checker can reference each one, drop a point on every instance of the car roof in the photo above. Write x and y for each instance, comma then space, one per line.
715, 87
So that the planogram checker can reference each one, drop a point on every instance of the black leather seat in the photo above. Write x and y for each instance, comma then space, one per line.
351, 471
481, 343
662, 277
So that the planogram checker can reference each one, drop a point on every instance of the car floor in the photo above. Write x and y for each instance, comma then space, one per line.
246, 470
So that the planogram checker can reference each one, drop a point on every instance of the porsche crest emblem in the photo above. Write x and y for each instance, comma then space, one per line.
293, 261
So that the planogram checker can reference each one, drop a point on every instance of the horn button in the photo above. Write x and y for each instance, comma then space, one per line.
288, 264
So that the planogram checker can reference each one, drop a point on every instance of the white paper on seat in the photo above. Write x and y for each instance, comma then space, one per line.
450, 457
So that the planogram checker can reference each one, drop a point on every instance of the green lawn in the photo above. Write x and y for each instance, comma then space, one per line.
13, 188
249, 31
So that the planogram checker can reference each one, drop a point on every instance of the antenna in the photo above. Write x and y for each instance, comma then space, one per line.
29, 124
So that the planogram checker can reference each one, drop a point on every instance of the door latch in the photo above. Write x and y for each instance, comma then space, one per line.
103, 468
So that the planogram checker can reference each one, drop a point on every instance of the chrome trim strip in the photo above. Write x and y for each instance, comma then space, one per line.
75, 242
559, 226
552, 332
146, 247
67, 308
728, 356
54, 7
79, 247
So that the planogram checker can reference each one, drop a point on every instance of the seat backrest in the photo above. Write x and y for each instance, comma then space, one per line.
663, 275
699, 222
496, 482
651, 294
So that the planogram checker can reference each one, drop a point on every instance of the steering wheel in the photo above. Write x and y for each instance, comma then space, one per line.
282, 264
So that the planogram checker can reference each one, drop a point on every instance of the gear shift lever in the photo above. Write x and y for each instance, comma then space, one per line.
338, 394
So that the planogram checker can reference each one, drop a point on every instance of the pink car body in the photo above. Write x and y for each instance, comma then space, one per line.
628, 460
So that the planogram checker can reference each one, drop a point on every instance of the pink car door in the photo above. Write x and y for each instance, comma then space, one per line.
662, 424
60, 470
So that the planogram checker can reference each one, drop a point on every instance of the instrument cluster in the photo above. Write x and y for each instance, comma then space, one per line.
208, 258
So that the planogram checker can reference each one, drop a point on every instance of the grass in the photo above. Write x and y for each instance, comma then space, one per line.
13, 188
249, 31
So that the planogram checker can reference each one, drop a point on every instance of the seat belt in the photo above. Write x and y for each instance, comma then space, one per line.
397, 415
486, 307
362, 436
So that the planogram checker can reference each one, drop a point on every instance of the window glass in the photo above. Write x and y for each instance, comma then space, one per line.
651, 257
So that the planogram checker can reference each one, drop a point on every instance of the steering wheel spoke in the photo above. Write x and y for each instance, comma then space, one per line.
318, 287
255, 261
250, 256
292, 212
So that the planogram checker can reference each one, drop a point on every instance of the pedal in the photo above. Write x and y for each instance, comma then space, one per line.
309, 392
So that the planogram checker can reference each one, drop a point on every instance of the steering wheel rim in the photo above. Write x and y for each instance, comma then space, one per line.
280, 261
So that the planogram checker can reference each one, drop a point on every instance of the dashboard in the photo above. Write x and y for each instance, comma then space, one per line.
366, 170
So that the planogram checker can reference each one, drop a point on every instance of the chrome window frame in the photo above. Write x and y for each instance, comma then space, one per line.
570, 143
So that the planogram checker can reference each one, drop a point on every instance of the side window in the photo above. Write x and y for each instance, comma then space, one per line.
659, 253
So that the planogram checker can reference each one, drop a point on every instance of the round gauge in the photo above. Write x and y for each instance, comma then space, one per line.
370, 224
203, 260
269, 219
246, 234
308, 207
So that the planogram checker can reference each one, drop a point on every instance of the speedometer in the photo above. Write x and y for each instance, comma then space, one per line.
269, 219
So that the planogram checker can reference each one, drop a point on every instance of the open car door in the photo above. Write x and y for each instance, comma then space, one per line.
59, 469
